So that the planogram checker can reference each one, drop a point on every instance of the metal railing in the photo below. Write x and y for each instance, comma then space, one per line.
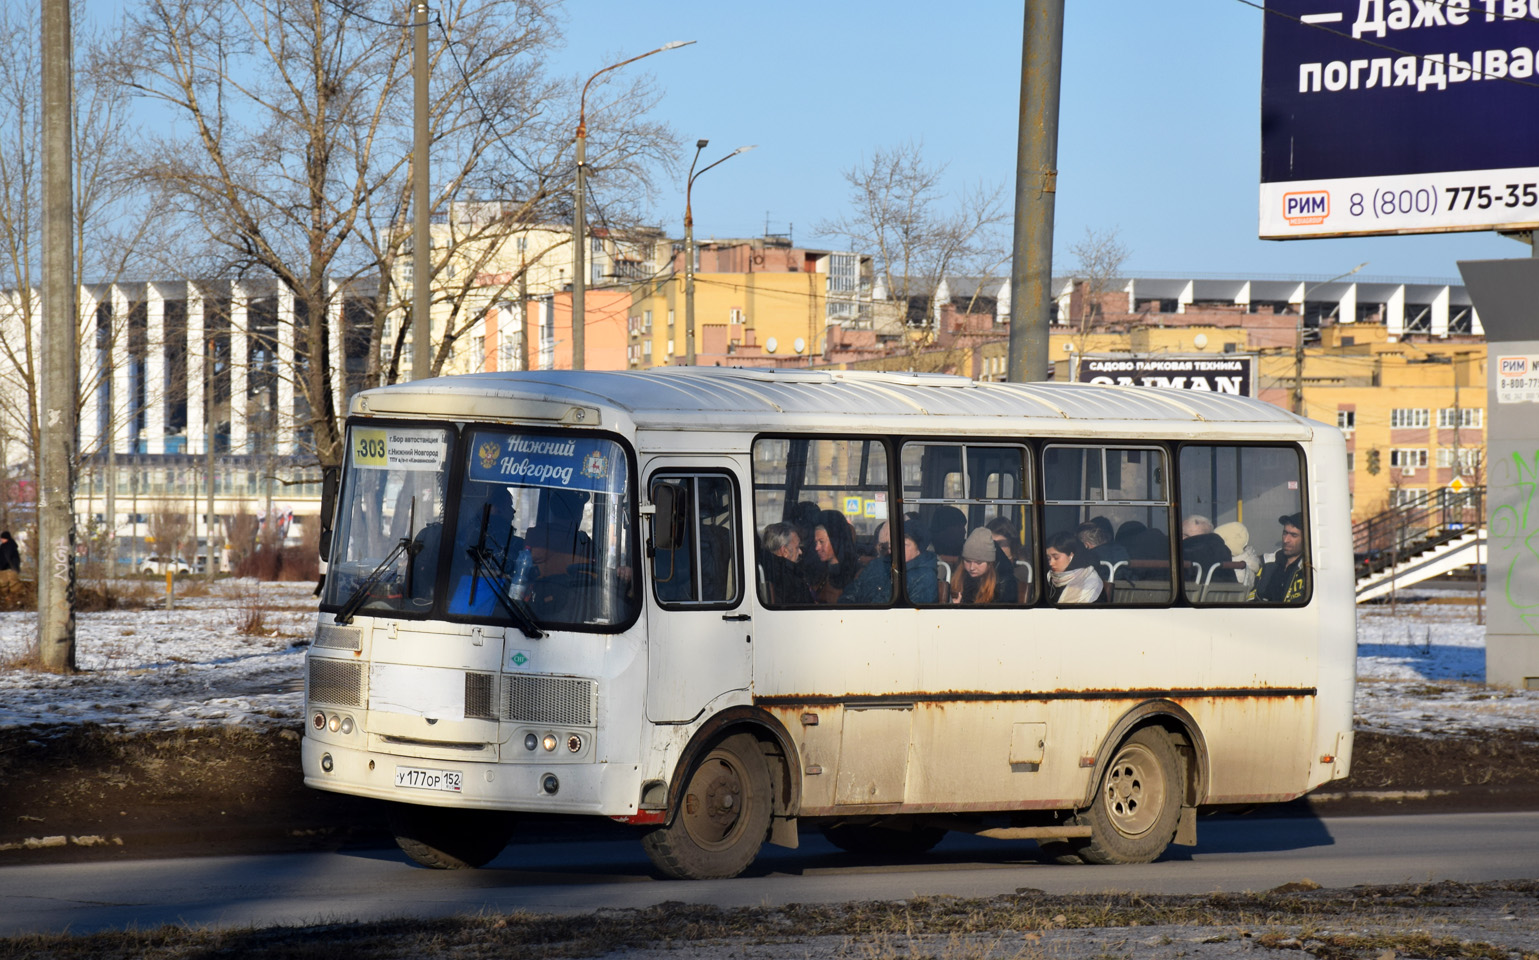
1416, 526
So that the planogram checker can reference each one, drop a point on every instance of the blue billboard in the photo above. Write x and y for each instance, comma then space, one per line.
1399, 116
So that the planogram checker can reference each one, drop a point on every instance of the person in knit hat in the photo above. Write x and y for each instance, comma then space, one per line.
977, 578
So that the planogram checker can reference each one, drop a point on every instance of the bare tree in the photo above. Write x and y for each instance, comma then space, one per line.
290, 153
918, 233
1100, 256
169, 527
110, 217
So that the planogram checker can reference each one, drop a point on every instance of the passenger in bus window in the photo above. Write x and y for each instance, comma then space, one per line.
977, 578
1237, 538
1142, 542
1071, 577
835, 546
948, 531
874, 582
1284, 578
1109, 558
1204, 552
782, 577
921, 574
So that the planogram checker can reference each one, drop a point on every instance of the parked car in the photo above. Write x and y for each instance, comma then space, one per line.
160, 566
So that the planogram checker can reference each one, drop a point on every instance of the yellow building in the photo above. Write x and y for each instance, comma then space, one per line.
759, 319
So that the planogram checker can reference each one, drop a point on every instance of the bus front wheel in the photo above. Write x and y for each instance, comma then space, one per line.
723, 815
446, 839
1138, 802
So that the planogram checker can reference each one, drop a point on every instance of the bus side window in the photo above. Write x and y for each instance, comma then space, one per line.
694, 544
953, 491
1242, 526
1114, 504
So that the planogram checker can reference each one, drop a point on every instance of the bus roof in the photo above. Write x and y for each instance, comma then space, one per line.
753, 399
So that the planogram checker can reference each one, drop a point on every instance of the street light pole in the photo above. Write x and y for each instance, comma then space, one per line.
689, 247
1298, 339
579, 252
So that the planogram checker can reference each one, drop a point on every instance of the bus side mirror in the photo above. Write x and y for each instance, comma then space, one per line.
330, 481
665, 499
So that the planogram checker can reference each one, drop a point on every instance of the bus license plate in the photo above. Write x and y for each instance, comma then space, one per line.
420, 779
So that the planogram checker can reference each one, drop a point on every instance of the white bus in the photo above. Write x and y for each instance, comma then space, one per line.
580, 593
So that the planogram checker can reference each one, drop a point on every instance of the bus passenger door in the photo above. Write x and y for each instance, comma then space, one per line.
698, 620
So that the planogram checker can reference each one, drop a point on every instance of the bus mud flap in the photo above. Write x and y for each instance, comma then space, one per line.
783, 832
1186, 828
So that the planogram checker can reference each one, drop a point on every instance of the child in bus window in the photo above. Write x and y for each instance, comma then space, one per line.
977, 578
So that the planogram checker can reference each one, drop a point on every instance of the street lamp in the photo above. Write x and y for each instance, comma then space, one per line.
689, 247
579, 265
1298, 339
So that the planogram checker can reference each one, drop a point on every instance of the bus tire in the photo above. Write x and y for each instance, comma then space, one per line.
869, 840
723, 815
1138, 803
447, 839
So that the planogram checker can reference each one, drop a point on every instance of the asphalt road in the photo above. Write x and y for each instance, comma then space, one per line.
1234, 855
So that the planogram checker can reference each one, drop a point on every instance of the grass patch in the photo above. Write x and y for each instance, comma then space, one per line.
942, 927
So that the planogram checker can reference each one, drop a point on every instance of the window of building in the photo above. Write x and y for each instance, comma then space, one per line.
1123, 495
1405, 417
951, 490
1346, 420
1405, 496
1409, 458
1467, 418
1351, 461
1469, 458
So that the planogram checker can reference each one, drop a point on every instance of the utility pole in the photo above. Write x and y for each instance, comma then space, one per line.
61, 334
421, 241
208, 453
1036, 185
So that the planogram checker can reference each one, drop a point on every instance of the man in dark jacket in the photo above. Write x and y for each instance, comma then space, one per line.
1284, 579
782, 577
10, 558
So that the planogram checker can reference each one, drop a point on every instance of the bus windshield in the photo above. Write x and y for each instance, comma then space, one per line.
545, 520
390, 522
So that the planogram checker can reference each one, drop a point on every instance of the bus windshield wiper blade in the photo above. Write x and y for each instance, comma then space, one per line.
361, 592
522, 618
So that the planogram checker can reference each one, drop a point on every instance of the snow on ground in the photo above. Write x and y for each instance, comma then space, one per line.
1421, 665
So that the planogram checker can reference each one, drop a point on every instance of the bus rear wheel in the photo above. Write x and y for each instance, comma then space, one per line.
723, 815
1138, 803
447, 839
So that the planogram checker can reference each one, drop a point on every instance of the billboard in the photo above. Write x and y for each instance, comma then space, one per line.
1399, 116
1232, 373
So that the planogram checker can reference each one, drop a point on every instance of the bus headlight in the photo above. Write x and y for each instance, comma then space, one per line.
573, 743
549, 743
334, 724
347, 725
319, 720
549, 784
326, 763
531, 741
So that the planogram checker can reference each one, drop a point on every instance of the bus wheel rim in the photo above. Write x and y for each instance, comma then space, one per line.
713, 806
1134, 791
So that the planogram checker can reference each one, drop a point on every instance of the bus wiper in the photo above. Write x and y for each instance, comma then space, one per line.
522, 618
361, 592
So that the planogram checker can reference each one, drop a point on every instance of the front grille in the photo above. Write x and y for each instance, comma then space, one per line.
481, 696
549, 700
338, 638
335, 681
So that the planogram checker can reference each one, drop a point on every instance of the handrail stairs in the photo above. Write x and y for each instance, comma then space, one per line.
1432, 534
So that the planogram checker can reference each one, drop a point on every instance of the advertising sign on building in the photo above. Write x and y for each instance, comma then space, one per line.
1399, 116
1232, 373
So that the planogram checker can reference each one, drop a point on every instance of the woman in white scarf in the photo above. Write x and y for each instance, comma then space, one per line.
1072, 578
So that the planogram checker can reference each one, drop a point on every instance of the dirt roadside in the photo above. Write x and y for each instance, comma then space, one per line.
85, 793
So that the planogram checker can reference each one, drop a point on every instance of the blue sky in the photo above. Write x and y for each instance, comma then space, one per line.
1159, 121
1158, 135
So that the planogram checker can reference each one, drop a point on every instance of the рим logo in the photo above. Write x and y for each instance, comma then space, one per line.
1307, 208
1514, 366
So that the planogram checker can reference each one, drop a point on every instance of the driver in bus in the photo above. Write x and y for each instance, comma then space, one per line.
1284, 579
